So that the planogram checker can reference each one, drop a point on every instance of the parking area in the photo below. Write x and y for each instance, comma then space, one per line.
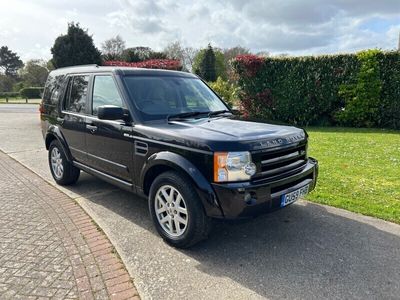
304, 251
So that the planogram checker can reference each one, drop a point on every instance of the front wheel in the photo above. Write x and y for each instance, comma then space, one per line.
177, 211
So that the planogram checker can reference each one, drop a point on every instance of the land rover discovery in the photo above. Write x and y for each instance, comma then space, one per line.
167, 136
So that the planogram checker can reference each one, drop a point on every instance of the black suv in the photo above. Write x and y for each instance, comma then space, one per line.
167, 136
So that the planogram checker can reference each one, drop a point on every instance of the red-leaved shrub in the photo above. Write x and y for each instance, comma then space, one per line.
167, 64
251, 63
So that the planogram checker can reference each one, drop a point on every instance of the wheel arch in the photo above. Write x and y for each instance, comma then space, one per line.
54, 133
168, 161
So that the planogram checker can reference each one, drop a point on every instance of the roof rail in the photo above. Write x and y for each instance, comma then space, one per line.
79, 66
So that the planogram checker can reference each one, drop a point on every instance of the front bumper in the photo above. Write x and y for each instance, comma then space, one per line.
244, 199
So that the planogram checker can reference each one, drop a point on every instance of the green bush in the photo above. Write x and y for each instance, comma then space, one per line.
9, 94
362, 99
225, 90
31, 92
322, 90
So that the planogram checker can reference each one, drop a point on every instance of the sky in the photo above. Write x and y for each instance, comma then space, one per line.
295, 27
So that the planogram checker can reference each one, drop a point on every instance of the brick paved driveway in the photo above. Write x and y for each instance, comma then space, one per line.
49, 247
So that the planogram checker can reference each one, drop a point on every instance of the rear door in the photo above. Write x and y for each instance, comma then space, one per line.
73, 117
109, 143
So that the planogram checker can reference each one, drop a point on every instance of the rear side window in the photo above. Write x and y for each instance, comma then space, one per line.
105, 92
53, 89
48, 89
77, 94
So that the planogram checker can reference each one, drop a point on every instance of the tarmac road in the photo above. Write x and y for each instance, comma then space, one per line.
305, 251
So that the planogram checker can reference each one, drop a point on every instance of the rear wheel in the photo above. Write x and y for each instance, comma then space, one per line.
177, 211
63, 172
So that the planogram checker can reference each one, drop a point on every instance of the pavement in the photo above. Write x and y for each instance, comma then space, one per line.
49, 247
305, 251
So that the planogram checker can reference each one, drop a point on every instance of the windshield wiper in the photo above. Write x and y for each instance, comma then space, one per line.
186, 115
190, 114
218, 112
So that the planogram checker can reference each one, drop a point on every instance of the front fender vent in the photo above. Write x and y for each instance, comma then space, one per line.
141, 148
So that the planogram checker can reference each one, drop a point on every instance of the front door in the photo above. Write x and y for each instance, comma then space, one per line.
72, 121
108, 143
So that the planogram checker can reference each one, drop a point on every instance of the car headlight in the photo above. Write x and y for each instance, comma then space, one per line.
233, 166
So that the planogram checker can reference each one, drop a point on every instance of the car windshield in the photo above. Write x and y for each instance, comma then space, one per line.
163, 96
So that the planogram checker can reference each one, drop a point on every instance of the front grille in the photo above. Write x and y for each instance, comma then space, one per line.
279, 163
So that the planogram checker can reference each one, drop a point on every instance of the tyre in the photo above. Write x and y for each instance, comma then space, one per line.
63, 172
177, 211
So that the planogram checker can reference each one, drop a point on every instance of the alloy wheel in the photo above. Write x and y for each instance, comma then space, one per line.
57, 163
171, 210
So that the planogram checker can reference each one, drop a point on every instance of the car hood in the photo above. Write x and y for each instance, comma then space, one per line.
224, 134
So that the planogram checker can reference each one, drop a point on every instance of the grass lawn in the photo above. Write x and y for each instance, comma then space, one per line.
19, 101
359, 170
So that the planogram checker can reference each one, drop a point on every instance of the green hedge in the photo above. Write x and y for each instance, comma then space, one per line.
9, 94
31, 92
322, 90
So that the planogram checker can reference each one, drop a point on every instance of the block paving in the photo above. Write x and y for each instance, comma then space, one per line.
49, 247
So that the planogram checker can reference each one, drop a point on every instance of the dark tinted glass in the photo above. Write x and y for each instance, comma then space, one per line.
158, 97
53, 89
77, 94
48, 89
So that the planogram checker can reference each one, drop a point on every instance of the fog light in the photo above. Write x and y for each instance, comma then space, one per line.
250, 168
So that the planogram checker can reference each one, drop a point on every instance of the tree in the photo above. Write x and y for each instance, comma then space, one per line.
189, 55
137, 54
207, 65
34, 73
6, 83
113, 48
219, 65
231, 53
9, 61
267, 54
75, 48
186, 55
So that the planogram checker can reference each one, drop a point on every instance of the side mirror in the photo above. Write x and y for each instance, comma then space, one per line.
111, 112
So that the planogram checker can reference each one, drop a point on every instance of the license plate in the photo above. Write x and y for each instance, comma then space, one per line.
294, 196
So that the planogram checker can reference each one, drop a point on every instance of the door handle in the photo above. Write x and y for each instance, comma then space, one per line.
91, 128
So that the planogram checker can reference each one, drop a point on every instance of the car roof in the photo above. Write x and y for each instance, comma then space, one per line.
119, 71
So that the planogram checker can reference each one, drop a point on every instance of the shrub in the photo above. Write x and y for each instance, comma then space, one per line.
9, 94
315, 90
226, 90
167, 64
31, 92
362, 98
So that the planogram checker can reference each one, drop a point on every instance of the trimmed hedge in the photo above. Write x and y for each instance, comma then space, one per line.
9, 94
322, 90
31, 92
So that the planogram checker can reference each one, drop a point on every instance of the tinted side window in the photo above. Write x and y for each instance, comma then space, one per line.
77, 94
48, 89
58, 89
53, 89
105, 92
